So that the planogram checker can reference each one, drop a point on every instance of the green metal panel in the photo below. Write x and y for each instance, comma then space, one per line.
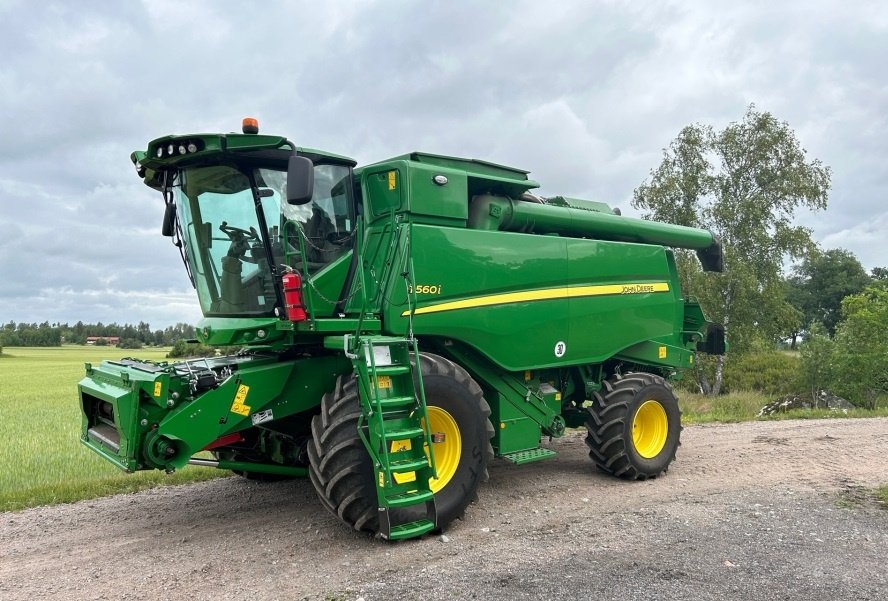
466, 265
474, 166
529, 301
230, 331
383, 189
449, 200
322, 290
514, 430
602, 325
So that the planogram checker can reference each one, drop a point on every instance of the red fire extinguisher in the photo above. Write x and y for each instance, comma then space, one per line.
293, 297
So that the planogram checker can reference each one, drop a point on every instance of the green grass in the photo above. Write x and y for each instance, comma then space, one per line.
728, 408
744, 406
826, 413
41, 458
882, 495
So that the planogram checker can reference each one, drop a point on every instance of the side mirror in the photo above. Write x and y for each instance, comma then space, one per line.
300, 180
169, 221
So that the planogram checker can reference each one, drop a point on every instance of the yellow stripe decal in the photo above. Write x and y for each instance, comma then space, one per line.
544, 294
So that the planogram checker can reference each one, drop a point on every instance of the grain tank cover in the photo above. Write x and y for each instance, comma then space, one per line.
470, 165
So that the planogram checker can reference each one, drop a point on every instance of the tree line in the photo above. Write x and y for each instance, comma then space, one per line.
55, 334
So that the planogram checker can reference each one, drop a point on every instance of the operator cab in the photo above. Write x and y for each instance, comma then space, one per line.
239, 233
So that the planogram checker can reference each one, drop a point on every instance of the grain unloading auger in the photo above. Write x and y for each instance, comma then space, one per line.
401, 325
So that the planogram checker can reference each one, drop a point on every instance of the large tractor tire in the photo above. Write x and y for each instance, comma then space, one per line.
634, 427
340, 467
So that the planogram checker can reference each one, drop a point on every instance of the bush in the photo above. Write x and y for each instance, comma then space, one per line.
817, 369
130, 343
183, 349
771, 373
861, 348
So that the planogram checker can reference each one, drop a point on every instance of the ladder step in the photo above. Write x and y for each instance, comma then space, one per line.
404, 433
522, 457
387, 341
410, 498
397, 401
392, 370
408, 465
411, 529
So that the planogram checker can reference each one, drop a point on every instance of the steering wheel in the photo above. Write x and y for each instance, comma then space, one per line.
240, 241
237, 233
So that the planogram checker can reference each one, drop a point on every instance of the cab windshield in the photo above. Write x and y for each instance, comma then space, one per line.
239, 232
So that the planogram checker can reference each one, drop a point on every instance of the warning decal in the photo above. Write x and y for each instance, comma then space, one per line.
239, 405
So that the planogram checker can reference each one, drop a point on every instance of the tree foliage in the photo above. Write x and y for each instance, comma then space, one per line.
862, 346
817, 368
818, 285
745, 184
853, 364
879, 276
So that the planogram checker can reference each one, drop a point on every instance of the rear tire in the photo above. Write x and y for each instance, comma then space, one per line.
634, 427
340, 467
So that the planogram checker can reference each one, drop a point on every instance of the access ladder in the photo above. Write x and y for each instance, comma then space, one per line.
394, 428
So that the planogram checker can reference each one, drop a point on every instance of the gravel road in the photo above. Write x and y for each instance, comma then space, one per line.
761, 510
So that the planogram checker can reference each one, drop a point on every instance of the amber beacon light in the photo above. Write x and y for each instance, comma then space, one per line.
250, 125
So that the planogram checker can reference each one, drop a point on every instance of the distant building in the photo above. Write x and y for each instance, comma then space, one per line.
109, 340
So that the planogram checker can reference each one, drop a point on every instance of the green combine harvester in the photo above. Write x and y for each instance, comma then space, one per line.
401, 324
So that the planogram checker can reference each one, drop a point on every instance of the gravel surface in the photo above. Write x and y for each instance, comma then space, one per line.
760, 510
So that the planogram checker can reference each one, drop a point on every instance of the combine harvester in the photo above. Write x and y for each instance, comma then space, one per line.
402, 324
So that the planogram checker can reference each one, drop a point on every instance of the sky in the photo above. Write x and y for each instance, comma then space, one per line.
585, 95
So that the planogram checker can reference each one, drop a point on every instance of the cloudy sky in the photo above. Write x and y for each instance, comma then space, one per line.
583, 94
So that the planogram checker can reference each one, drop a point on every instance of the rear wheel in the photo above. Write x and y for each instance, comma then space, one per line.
340, 467
634, 427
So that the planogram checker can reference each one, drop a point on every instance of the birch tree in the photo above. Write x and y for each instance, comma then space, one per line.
745, 184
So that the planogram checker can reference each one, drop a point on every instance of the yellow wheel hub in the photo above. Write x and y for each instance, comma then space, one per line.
448, 452
650, 427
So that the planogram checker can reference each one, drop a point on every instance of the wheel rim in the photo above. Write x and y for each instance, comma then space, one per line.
447, 453
650, 427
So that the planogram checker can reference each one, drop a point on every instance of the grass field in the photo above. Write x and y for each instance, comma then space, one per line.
41, 458
744, 406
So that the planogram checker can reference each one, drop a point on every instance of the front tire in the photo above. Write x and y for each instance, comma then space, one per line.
634, 427
340, 467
